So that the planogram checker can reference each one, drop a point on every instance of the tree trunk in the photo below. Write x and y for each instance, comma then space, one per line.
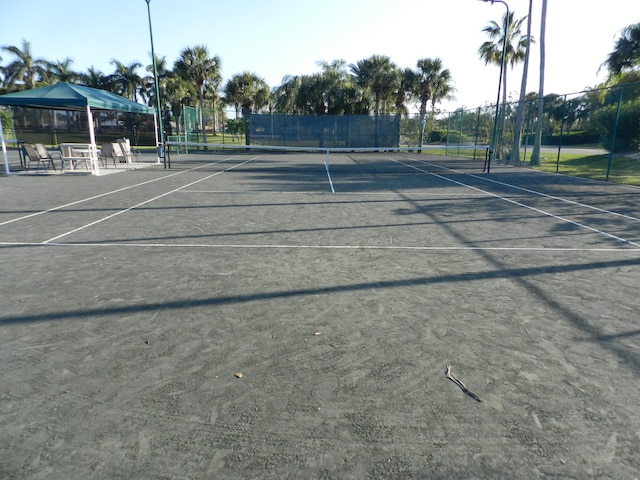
535, 156
421, 132
502, 116
423, 114
215, 116
203, 127
517, 131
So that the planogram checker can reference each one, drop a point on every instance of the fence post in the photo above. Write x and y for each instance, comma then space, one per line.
614, 133
564, 109
446, 144
460, 131
475, 143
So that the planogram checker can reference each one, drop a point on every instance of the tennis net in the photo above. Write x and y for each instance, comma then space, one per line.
180, 150
384, 167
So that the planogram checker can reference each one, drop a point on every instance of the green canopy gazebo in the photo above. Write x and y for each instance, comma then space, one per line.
68, 96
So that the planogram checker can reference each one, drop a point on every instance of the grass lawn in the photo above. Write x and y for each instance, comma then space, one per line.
625, 170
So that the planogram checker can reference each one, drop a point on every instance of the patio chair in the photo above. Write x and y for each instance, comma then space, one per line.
33, 156
118, 154
131, 155
106, 153
46, 155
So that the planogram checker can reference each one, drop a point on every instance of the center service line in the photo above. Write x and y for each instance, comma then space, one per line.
326, 167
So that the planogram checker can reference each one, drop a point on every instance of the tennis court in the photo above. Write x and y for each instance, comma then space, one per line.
266, 314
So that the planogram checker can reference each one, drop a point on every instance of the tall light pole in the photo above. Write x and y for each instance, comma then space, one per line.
494, 138
160, 147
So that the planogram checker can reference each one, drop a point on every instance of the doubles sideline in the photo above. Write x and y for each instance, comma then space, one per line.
524, 205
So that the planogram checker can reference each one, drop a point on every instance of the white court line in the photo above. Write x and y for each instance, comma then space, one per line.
515, 187
249, 246
326, 167
520, 204
145, 202
259, 192
35, 214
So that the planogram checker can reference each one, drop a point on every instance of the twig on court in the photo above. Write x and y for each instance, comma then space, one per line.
462, 386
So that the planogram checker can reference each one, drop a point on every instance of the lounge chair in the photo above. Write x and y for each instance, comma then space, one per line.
42, 157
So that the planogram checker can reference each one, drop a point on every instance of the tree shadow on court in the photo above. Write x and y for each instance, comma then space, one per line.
522, 278
519, 275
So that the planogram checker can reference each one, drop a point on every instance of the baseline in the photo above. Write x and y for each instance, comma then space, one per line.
256, 246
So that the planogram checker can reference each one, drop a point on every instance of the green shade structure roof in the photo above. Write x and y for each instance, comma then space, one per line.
67, 96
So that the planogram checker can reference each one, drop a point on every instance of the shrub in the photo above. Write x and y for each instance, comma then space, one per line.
627, 130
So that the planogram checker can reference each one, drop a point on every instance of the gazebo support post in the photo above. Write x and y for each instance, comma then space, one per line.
4, 150
155, 129
95, 169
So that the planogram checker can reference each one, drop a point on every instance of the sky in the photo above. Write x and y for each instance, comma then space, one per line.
275, 38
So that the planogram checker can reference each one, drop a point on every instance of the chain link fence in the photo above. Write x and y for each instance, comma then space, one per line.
594, 133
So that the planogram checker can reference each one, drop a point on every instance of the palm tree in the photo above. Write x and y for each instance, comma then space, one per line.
491, 50
149, 82
60, 71
25, 69
508, 38
626, 53
432, 84
406, 90
196, 66
340, 92
310, 98
177, 93
247, 92
379, 75
332, 91
284, 96
126, 81
443, 89
517, 131
95, 79
535, 154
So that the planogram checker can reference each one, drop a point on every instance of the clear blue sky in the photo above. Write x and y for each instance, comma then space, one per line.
273, 38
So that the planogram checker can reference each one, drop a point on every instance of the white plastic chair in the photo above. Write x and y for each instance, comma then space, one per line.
106, 153
131, 155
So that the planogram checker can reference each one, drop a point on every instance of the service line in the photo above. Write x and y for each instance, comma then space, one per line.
60, 207
145, 202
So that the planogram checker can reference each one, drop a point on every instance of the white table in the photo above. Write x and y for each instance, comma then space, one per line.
74, 152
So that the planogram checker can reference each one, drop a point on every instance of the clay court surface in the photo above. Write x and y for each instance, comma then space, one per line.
131, 303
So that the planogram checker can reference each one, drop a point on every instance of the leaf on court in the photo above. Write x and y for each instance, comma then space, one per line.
239, 375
